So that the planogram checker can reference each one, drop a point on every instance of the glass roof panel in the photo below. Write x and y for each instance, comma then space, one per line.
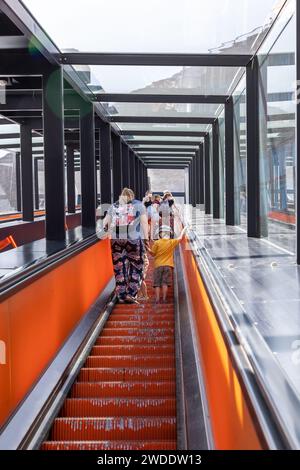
161, 109
124, 126
168, 26
159, 80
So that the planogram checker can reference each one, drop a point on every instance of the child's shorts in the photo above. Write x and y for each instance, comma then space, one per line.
162, 276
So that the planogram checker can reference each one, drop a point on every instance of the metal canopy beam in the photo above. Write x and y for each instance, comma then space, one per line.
191, 60
161, 98
134, 143
162, 119
169, 133
167, 167
160, 149
160, 155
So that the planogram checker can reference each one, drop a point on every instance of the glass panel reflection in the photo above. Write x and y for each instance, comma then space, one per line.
277, 137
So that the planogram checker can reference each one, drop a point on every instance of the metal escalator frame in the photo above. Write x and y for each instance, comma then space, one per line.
245, 346
194, 430
32, 420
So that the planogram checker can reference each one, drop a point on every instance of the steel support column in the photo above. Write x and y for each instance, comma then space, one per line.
131, 170
53, 125
253, 173
216, 171
137, 176
71, 180
18, 182
117, 166
197, 175
207, 171
105, 163
125, 165
190, 184
201, 174
88, 165
27, 172
229, 163
36, 184
298, 129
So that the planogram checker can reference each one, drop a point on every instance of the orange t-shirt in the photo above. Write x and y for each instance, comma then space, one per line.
163, 251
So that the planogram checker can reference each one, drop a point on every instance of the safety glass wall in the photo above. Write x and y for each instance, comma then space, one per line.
277, 131
8, 170
8, 182
240, 153
40, 185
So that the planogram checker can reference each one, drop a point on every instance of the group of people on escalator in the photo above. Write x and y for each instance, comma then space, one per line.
139, 229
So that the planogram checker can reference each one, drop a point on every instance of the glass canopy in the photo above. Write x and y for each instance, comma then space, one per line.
168, 26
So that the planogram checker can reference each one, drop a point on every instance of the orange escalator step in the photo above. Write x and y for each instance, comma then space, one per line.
112, 407
130, 361
141, 317
144, 350
126, 374
123, 389
109, 445
140, 324
121, 428
150, 332
111, 340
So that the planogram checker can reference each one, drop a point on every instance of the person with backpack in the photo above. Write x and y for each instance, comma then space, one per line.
127, 223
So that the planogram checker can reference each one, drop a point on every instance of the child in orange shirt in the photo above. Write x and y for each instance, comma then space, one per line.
163, 252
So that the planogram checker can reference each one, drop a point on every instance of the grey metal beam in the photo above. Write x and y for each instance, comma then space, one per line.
298, 130
191, 60
166, 154
169, 133
229, 163
18, 182
171, 143
106, 163
117, 166
162, 119
216, 171
253, 163
160, 98
162, 150
71, 180
36, 184
27, 173
53, 119
125, 165
207, 173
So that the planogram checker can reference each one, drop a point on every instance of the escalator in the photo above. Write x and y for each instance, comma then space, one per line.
124, 397
185, 375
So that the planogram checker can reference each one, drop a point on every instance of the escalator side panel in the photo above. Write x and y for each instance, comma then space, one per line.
232, 423
41, 316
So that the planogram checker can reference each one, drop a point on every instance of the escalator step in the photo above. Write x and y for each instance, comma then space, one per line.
120, 428
140, 324
141, 317
150, 332
130, 361
142, 340
145, 350
126, 374
122, 389
101, 407
109, 445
